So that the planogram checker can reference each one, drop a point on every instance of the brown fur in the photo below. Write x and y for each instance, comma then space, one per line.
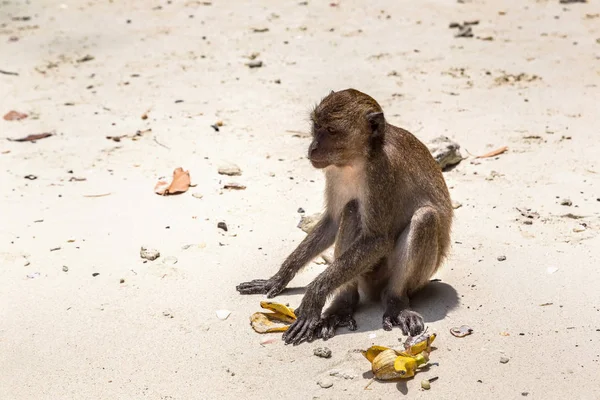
387, 209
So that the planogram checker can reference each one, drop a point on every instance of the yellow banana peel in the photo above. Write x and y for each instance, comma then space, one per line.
277, 321
278, 308
421, 343
407, 366
390, 364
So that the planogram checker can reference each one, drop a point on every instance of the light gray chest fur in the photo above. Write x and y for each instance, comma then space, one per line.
343, 185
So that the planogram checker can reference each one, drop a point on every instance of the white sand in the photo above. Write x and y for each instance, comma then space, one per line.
69, 335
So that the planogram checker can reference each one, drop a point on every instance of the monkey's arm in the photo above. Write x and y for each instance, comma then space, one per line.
317, 241
360, 256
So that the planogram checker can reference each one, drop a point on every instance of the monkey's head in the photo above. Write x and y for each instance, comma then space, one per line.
344, 126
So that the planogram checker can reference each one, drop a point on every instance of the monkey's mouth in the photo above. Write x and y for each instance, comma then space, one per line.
319, 163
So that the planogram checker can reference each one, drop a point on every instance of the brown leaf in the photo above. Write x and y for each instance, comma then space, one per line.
494, 153
13, 115
32, 138
179, 184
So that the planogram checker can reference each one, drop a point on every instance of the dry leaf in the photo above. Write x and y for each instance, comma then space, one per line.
14, 116
179, 184
32, 138
494, 153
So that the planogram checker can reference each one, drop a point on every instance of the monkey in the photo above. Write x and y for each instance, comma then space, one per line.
388, 211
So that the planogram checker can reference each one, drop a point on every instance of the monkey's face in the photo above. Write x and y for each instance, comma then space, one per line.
331, 145
340, 128
320, 149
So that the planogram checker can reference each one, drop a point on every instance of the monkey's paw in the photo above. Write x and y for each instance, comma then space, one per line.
409, 321
303, 329
269, 287
330, 323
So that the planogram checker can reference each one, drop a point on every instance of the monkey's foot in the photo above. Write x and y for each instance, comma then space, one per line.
409, 321
269, 287
329, 323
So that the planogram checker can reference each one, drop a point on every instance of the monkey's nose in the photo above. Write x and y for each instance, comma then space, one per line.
312, 148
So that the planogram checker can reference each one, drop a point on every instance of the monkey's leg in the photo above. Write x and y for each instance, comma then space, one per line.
317, 241
414, 260
341, 310
362, 254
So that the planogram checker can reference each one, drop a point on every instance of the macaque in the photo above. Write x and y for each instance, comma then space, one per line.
388, 211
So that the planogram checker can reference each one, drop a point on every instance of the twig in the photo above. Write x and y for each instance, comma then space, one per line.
8, 72
97, 195
369, 384
160, 144
494, 153
298, 133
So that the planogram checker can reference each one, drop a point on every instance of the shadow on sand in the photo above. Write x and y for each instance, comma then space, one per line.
433, 302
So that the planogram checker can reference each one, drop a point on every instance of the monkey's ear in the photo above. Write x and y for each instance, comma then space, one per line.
376, 122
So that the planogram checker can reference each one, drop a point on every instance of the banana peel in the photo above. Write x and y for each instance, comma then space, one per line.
279, 320
417, 344
390, 364
407, 366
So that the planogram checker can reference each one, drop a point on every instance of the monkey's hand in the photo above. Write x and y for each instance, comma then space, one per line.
271, 287
308, 321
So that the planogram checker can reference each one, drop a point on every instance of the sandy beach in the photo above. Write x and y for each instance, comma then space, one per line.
132, 90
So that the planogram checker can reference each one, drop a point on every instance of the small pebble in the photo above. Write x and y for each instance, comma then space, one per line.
222, 225
308, 222
566, 202
425, 384
504, 360
95, 274
229, 170
323, 352
149, 254
255, 64
65, 268
501, 258
121, 280
325, 383
445, 152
